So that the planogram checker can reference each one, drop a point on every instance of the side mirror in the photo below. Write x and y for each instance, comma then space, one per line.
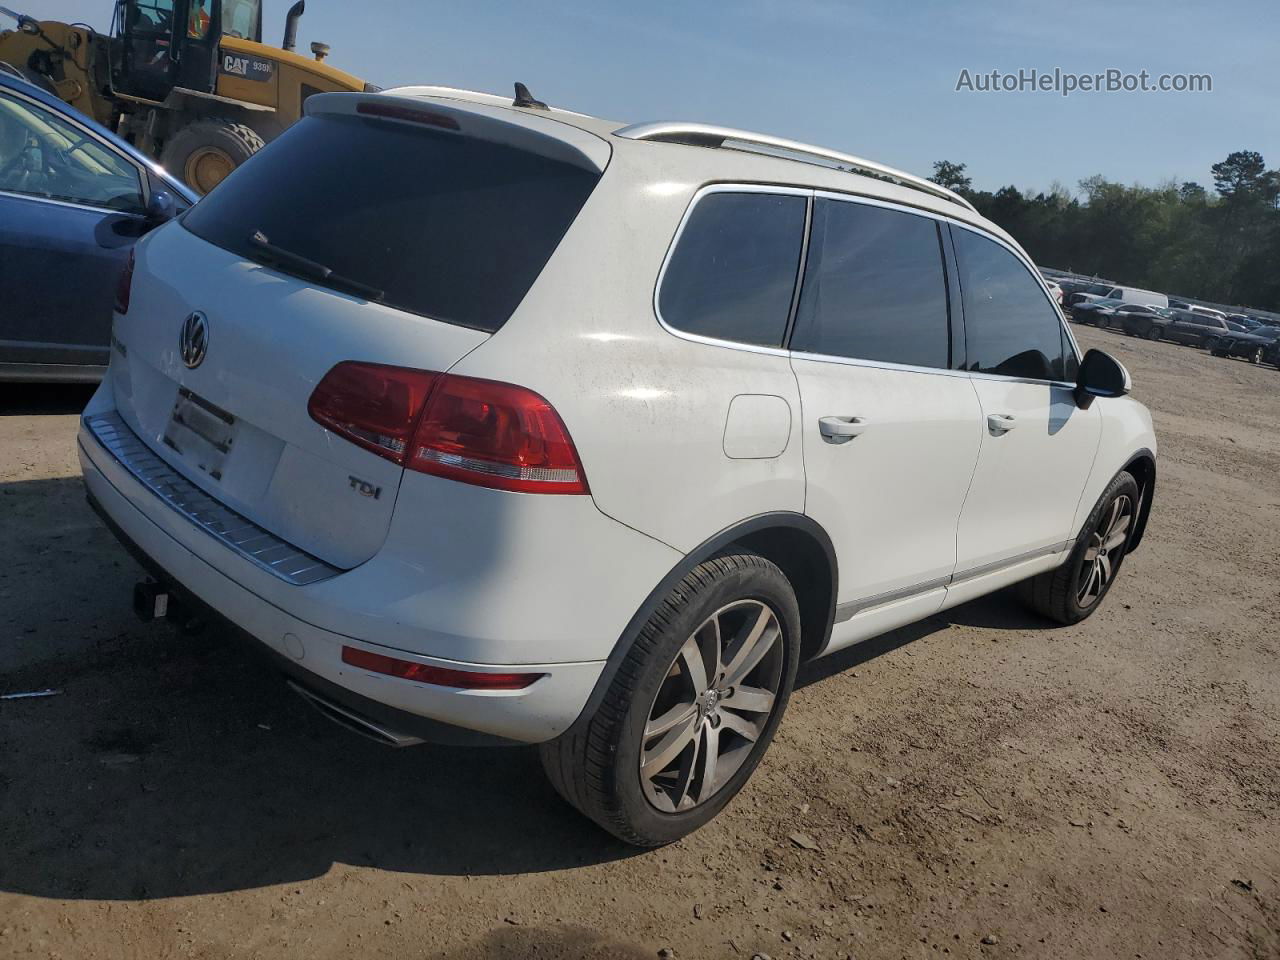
161, 208
1101, 375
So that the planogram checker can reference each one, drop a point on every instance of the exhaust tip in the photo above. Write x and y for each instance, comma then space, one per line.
353, 721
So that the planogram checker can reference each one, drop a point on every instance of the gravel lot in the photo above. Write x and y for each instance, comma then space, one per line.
976, 785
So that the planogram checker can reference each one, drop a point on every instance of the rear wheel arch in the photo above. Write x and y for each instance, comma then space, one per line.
796, 543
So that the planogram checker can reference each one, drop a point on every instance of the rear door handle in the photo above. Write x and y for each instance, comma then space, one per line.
840, 429
1000, 423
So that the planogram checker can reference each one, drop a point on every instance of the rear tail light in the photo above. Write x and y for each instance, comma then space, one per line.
478, 431
372, 405
440, 676
124, 284
496, 435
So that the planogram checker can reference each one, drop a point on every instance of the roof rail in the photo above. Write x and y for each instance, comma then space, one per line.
708, 135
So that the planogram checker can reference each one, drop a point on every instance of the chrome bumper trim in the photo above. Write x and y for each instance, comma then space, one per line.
236, 533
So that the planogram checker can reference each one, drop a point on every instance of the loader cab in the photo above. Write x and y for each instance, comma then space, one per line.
174, 43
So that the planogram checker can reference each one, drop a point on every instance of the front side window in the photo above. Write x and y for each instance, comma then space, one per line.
733, 271
42, 155
874, 287
1011, 328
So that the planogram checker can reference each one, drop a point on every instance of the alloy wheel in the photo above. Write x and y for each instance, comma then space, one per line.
1106, 547
712, 706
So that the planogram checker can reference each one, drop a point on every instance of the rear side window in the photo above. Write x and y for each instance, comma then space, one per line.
733, 271
1011, 328
874, 287
446, 226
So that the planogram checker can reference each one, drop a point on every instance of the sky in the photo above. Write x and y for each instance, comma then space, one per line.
874, 79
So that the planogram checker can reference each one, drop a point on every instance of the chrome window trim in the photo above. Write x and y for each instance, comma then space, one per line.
705, 191
237, 533
815, 194
87, 207
878, 364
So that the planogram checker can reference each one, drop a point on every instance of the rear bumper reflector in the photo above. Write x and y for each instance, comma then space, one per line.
439, 676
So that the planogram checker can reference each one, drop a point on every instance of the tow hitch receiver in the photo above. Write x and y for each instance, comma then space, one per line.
151, 601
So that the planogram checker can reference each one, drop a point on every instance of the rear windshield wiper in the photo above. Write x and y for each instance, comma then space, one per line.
310, 269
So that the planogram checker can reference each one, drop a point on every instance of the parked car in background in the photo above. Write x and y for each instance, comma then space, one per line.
74, 198
1252, 346
1137, 319
607, 498
1190, 327
1179, 304
1054, 290
1072, 286
1208, 312
1095, 312
1103, 291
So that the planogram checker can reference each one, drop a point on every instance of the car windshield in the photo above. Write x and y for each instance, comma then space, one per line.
1098, 289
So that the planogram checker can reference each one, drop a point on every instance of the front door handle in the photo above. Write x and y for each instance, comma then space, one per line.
840, 429
1000, 423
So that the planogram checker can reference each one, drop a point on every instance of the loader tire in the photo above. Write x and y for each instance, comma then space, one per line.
204, 153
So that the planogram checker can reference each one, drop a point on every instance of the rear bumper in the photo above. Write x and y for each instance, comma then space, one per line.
313, 653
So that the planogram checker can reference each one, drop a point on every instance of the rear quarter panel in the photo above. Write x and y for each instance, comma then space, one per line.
646, 409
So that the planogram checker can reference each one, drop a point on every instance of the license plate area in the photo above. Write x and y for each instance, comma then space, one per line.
200, 432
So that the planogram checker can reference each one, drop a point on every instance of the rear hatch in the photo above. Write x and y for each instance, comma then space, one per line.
392, 230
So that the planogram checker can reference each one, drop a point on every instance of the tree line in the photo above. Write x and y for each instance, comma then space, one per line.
1222, 246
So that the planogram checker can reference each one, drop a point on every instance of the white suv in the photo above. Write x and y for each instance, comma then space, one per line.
503, 423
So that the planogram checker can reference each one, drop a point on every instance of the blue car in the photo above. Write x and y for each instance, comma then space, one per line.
74, 198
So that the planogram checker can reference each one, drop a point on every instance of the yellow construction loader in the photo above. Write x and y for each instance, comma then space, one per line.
188, 81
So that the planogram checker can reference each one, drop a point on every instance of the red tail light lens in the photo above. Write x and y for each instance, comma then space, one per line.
124, 285
478, 431
372, 405
496, 435
440, 676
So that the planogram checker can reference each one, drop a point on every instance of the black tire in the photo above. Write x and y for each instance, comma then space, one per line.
1056, 593
1257, 355
1209, 343
1218, 353
1153, 332
203, 153
595, 766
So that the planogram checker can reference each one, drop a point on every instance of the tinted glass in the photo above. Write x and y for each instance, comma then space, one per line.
42, 155
874, 287
733, 271
1011, 328
447, 226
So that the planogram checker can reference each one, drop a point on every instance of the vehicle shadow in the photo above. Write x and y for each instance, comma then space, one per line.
172, 765
43, 399
998, 611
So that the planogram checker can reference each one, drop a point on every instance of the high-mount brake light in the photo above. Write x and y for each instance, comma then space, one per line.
482, 432
124, 286
394, 111
440, 676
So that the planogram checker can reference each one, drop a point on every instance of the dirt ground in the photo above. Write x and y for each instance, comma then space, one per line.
978, 785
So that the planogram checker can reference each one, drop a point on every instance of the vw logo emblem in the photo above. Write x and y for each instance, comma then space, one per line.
194, 340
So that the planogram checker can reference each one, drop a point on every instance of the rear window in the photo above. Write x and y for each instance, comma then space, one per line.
449, 227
